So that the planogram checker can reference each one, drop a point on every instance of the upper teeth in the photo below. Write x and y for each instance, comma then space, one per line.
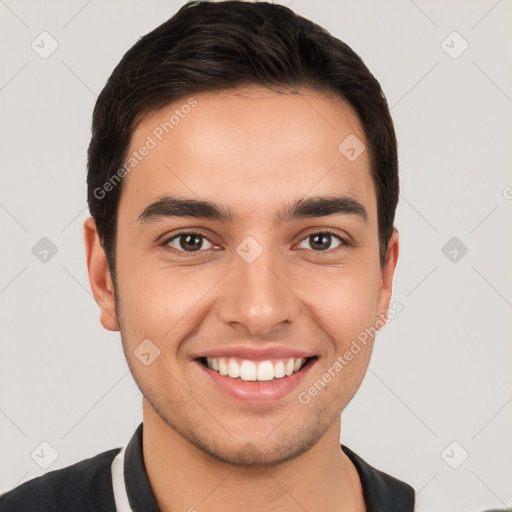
250, 370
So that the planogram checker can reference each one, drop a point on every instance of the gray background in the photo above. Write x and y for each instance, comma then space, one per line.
440, 371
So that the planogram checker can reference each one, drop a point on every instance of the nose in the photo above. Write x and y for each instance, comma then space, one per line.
257, 297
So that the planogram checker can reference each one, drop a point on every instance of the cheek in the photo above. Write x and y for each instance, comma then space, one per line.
348, 319
343, 302
158, 302
345, 310
344, 298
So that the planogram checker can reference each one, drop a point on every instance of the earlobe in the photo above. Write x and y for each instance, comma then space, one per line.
386, 283
99, 276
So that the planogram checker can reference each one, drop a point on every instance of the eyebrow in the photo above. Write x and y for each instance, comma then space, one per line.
176, 207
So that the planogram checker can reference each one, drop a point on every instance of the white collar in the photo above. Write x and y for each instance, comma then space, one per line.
118, 483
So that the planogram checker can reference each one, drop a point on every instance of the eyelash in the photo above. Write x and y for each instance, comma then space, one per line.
345, 241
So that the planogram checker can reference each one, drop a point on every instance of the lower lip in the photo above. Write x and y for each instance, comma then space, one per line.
256, 391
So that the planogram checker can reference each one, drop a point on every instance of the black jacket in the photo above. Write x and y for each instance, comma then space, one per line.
87, 486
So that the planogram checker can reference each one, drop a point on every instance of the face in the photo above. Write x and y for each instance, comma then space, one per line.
251, 277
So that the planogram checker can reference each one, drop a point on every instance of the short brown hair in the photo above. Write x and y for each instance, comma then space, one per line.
223, 45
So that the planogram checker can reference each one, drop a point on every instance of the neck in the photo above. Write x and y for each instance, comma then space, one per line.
184, 478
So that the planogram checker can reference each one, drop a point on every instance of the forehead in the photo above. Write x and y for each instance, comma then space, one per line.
250, 147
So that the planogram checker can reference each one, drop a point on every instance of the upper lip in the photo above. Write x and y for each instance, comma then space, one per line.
256, 353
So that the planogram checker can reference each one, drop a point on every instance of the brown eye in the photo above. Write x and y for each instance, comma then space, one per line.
188, 242
322, 241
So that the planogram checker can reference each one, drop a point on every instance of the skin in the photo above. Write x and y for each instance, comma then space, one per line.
255, 151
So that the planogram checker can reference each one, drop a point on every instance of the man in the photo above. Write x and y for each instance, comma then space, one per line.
242, 182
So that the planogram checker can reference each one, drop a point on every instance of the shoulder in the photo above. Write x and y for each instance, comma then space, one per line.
382, 492
84, 486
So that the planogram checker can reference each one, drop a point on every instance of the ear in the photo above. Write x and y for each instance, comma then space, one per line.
99, 276
386, 280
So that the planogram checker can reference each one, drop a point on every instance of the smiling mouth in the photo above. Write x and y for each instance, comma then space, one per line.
247, 370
